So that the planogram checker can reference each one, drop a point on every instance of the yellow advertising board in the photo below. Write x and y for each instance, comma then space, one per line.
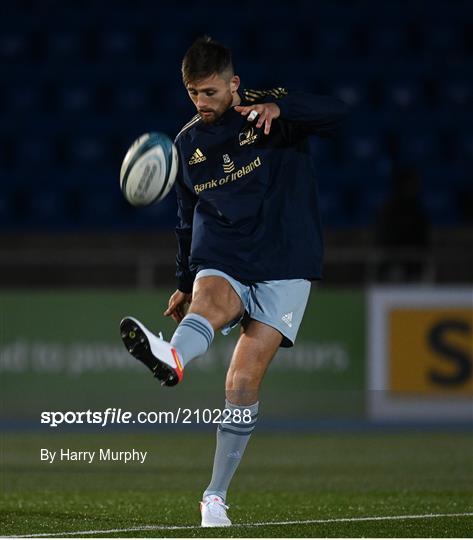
420, 353
430, 351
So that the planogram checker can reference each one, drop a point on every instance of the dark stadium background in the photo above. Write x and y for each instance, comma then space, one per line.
79, 81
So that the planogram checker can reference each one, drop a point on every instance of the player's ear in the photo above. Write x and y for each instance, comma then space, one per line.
234, 83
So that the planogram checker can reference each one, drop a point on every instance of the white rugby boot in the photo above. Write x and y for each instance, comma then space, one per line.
158, 355
214, 512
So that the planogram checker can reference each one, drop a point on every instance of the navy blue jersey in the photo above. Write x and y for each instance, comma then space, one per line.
248, 202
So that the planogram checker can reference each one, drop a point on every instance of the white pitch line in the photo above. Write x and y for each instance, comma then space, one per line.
257, 524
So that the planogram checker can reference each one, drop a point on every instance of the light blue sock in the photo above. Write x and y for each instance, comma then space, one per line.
192, 337
232, 439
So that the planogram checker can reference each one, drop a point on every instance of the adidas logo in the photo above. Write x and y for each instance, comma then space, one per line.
197, 157
287, 318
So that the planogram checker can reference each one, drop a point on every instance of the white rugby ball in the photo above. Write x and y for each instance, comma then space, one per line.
149, 169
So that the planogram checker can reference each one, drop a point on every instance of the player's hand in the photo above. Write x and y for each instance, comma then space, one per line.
177, 305
267, 112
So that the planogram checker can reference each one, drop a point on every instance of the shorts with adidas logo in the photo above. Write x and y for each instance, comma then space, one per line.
279, 303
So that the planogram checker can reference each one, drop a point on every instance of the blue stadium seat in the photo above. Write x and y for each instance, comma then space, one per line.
442, 38
404, 94
160, 216
424, 147
322, 152
33, 152
76, 97
47, 206
168, 46
464, 141
283, 47
14, 46
456, 93
132, 97
353, 93
276, 17
333, 40
65, 45
440, 205
97, 196
88, 151
23, 97
448, 176
351, 197
118, 45
291, 73
388, 41
370, 202
441, 13
331, 209
233, 39
330, 177
101, 210
364, 147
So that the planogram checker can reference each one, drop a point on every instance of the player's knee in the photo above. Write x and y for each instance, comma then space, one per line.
241, 387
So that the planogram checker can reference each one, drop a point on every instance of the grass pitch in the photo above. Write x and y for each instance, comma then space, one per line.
283, 478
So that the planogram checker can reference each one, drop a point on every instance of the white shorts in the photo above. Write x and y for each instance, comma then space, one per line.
279, 303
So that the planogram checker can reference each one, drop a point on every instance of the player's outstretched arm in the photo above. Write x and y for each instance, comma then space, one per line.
177, 305
313, 114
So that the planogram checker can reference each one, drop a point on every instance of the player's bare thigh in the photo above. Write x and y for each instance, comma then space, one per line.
256, 347
215, 299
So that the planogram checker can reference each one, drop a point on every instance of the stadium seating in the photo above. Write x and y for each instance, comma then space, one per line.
79, 86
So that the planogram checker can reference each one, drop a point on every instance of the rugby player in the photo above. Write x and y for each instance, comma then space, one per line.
249, 240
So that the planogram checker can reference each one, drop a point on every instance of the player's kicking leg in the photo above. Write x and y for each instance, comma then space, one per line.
214, 304
253, 353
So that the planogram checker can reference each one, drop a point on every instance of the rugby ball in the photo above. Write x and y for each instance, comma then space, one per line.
149, 169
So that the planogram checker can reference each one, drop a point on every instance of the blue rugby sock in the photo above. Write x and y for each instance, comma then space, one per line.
232, 439
192, 337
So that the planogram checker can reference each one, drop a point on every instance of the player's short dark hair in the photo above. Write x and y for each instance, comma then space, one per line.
204, 58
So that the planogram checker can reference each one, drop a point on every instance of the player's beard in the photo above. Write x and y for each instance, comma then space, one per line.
216, 113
